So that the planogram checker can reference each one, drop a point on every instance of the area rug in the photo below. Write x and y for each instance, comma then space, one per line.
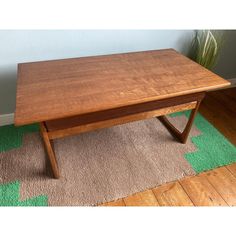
106, 164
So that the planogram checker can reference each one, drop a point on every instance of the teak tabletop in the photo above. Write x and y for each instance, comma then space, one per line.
49, 90
72, 96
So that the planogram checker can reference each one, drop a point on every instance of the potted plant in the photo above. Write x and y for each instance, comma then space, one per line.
205, 47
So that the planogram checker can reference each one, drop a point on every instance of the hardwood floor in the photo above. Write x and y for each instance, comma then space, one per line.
219, 107
212, 188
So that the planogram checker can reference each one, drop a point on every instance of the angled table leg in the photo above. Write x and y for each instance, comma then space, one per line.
181, 136
50, 151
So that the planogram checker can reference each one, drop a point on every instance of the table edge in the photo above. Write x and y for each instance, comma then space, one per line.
20, 122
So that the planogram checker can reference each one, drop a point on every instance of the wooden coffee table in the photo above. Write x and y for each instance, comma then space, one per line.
72, 96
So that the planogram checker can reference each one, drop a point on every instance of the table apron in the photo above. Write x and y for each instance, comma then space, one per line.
105, 119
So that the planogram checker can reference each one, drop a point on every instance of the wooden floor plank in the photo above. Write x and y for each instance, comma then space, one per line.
201, 192
146, 198
232, 168
119, 202
172, 194
224, 182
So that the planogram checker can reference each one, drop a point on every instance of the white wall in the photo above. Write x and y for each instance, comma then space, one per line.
18, 46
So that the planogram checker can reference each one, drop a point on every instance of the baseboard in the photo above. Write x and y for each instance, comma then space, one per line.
6, 119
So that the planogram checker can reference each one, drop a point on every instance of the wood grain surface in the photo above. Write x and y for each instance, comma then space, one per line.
74, 121
224, 182
232, 169
74, 126
117, 203
201, 192
146, 198
56, 89
172, 194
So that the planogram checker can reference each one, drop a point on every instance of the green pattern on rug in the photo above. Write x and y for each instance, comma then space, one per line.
11, 136
214, 150
10, 194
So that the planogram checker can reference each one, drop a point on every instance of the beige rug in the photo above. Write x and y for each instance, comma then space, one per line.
100, 166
